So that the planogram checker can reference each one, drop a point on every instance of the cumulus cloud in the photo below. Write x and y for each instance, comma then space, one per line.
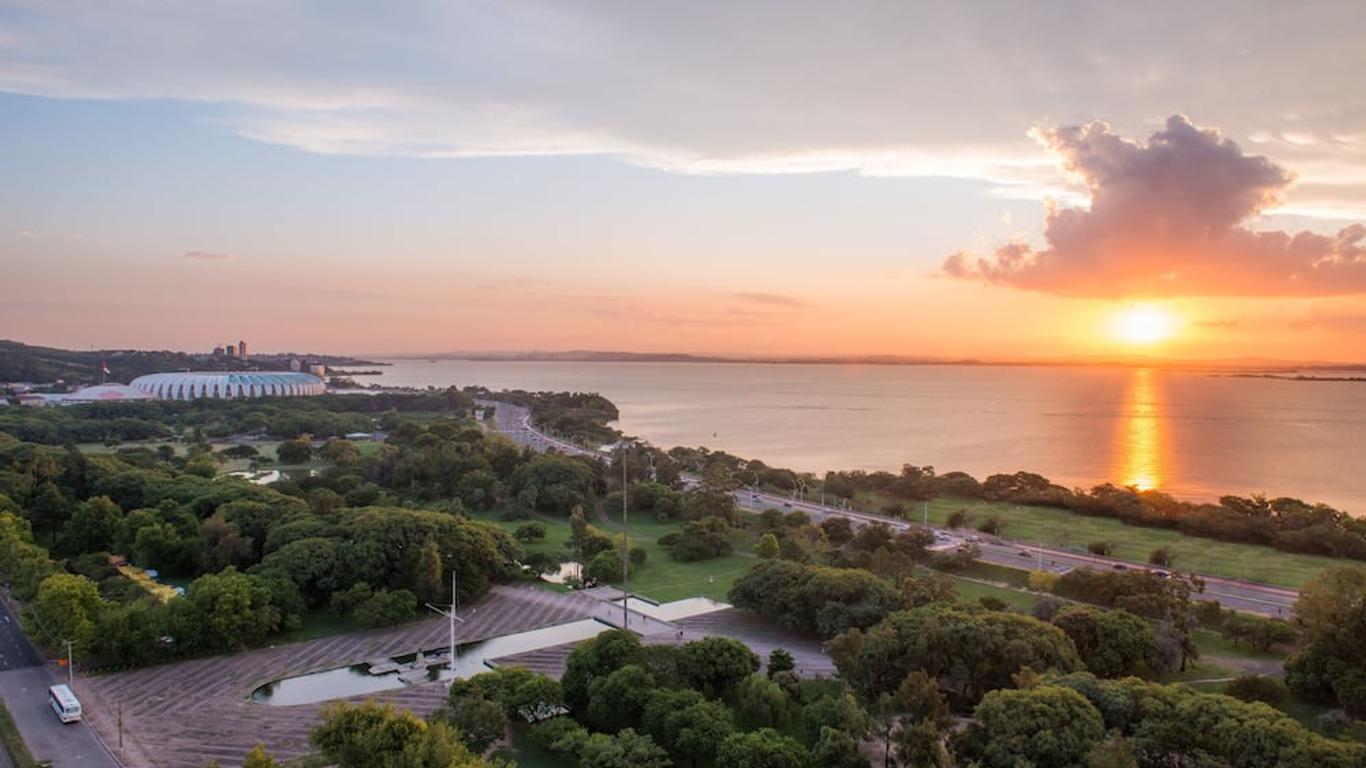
1169, 218
207, 256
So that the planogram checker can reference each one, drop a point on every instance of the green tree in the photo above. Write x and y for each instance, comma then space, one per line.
764, 748
840, 711
593, 659
626, 749
221, 546
373, 735
761, 703
225, 611
780, 660
428, 581
1114, 752
837, 749
296, 451
715, 665
971, 652
928, 587
67, 606
385, 608
920, 743
48, 509
339, 453
767, 546
257, 758
479, 721
1044, 725
92, 526
1331, 664
618, 700
1111, 643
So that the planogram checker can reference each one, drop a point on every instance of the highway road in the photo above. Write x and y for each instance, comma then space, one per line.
24, 680
515, 422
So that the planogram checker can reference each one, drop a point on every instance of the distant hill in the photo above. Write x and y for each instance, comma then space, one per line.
606, 356
24, 362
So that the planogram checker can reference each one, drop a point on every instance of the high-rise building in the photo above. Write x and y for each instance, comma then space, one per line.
217, 351
230, 350
242, 350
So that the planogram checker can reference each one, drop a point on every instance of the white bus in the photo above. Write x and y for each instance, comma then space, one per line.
64, 703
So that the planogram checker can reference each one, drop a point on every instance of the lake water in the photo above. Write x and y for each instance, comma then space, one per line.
1194, 435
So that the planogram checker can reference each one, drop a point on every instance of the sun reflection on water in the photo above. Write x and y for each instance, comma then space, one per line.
1140, 444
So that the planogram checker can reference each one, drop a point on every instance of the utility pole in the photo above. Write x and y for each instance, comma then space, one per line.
626, 548
455, 601
70, 669
927, 513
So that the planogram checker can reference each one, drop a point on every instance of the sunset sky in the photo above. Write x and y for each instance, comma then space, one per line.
752, 178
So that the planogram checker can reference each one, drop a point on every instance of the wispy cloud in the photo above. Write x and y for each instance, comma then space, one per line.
774, 299
869, 88
211, 256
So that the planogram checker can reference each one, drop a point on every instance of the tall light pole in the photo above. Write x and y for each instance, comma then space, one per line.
626, 546
70, 668
450, 613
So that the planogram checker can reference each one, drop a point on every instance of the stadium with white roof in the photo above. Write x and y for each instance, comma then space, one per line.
192, 385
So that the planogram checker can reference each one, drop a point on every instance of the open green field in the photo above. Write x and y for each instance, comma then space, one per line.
660, 578
970, 591
1067, 530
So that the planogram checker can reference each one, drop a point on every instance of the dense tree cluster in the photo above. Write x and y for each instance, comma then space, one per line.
1331, 664
815, 599
1282, 522
254, 559
322, 416
969, 651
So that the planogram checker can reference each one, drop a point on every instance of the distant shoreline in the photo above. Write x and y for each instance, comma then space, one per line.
1246, 368
1283, 377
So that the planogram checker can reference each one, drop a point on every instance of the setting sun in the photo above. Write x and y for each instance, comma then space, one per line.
1144, 325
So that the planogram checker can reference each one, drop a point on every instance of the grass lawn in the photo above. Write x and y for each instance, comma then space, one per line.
1214, 644
971, 591
661, 577
1068, 530
321, 623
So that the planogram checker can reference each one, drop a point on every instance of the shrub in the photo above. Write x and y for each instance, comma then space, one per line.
1270, 690
529, 532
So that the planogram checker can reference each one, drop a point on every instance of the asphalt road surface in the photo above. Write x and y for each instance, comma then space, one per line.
24, 680
515, 422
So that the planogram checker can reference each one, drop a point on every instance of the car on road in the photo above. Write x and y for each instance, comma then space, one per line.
1121, 567
1025, 553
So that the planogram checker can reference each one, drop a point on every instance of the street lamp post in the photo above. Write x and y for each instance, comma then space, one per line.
625, 546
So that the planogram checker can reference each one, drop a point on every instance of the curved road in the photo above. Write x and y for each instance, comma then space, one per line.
514, 421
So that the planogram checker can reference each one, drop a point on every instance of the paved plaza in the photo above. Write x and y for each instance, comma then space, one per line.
183, 715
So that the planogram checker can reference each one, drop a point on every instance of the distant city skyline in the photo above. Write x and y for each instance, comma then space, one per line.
1001, 181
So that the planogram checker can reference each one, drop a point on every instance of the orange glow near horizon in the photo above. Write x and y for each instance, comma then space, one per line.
1144, 325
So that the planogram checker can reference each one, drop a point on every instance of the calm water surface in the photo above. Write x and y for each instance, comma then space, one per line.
1194, 435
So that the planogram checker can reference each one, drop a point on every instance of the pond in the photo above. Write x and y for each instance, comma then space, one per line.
471, 659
